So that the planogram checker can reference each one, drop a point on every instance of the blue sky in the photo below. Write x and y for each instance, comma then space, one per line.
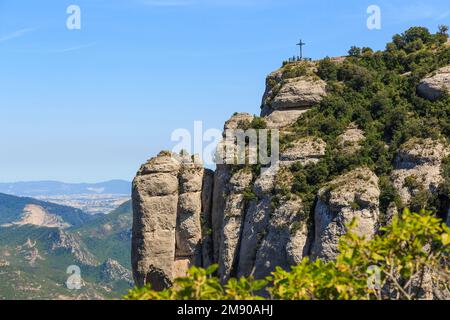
93, 104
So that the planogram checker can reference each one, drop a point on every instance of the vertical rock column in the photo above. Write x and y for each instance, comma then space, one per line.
172, 199
221, 178
225, 157
155, 199
189, 218
233, 221
256, 221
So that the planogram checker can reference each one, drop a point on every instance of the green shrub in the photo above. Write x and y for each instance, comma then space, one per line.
388, 194
327, 69
249, 195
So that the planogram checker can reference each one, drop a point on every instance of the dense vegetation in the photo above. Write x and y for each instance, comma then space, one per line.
377, 91
392, 266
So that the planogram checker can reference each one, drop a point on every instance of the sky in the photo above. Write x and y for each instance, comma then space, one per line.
93, 104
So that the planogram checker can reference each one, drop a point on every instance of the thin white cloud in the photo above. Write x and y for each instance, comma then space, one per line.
444, 15
15, 34
74, 48
58, 50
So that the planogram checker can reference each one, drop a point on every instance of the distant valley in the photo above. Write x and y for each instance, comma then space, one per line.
40, 240
91, 198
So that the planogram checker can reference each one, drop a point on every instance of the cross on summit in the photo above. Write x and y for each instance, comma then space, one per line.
300, 57
301, 44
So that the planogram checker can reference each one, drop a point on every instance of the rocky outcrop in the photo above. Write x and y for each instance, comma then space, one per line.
237, 120
256, 221
155, 200
185, 215
250, 221
221, 178
111, 271
167, 226
433, 87
418, 167
299, 93
4, 263
37, 216
283, 118
285, 240
290, 92
30, 252
233, 219
189, 217
353, 195
62, 241
305, 150
350, 141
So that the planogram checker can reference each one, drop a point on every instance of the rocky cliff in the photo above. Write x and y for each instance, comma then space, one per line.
250, 221
172, 202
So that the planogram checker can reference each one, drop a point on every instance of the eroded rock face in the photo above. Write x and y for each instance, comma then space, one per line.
305, 151
283, 118
418, 167
233, 219
433, 87
185, 215
67, 242
353, 195
285, 239
299, 93
286, 98
168, 202
221, 178
111, 270
188, 231
193, 245
237, 120
154, 221
256, 222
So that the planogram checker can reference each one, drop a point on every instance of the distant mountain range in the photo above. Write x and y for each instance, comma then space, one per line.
91, 198
40, 240
55, 188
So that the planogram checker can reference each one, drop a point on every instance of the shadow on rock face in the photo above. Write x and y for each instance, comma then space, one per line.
157, 279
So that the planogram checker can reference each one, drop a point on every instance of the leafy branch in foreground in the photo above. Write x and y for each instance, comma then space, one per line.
408, 260
200, 284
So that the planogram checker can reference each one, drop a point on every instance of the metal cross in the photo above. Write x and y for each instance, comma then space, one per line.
301, 44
